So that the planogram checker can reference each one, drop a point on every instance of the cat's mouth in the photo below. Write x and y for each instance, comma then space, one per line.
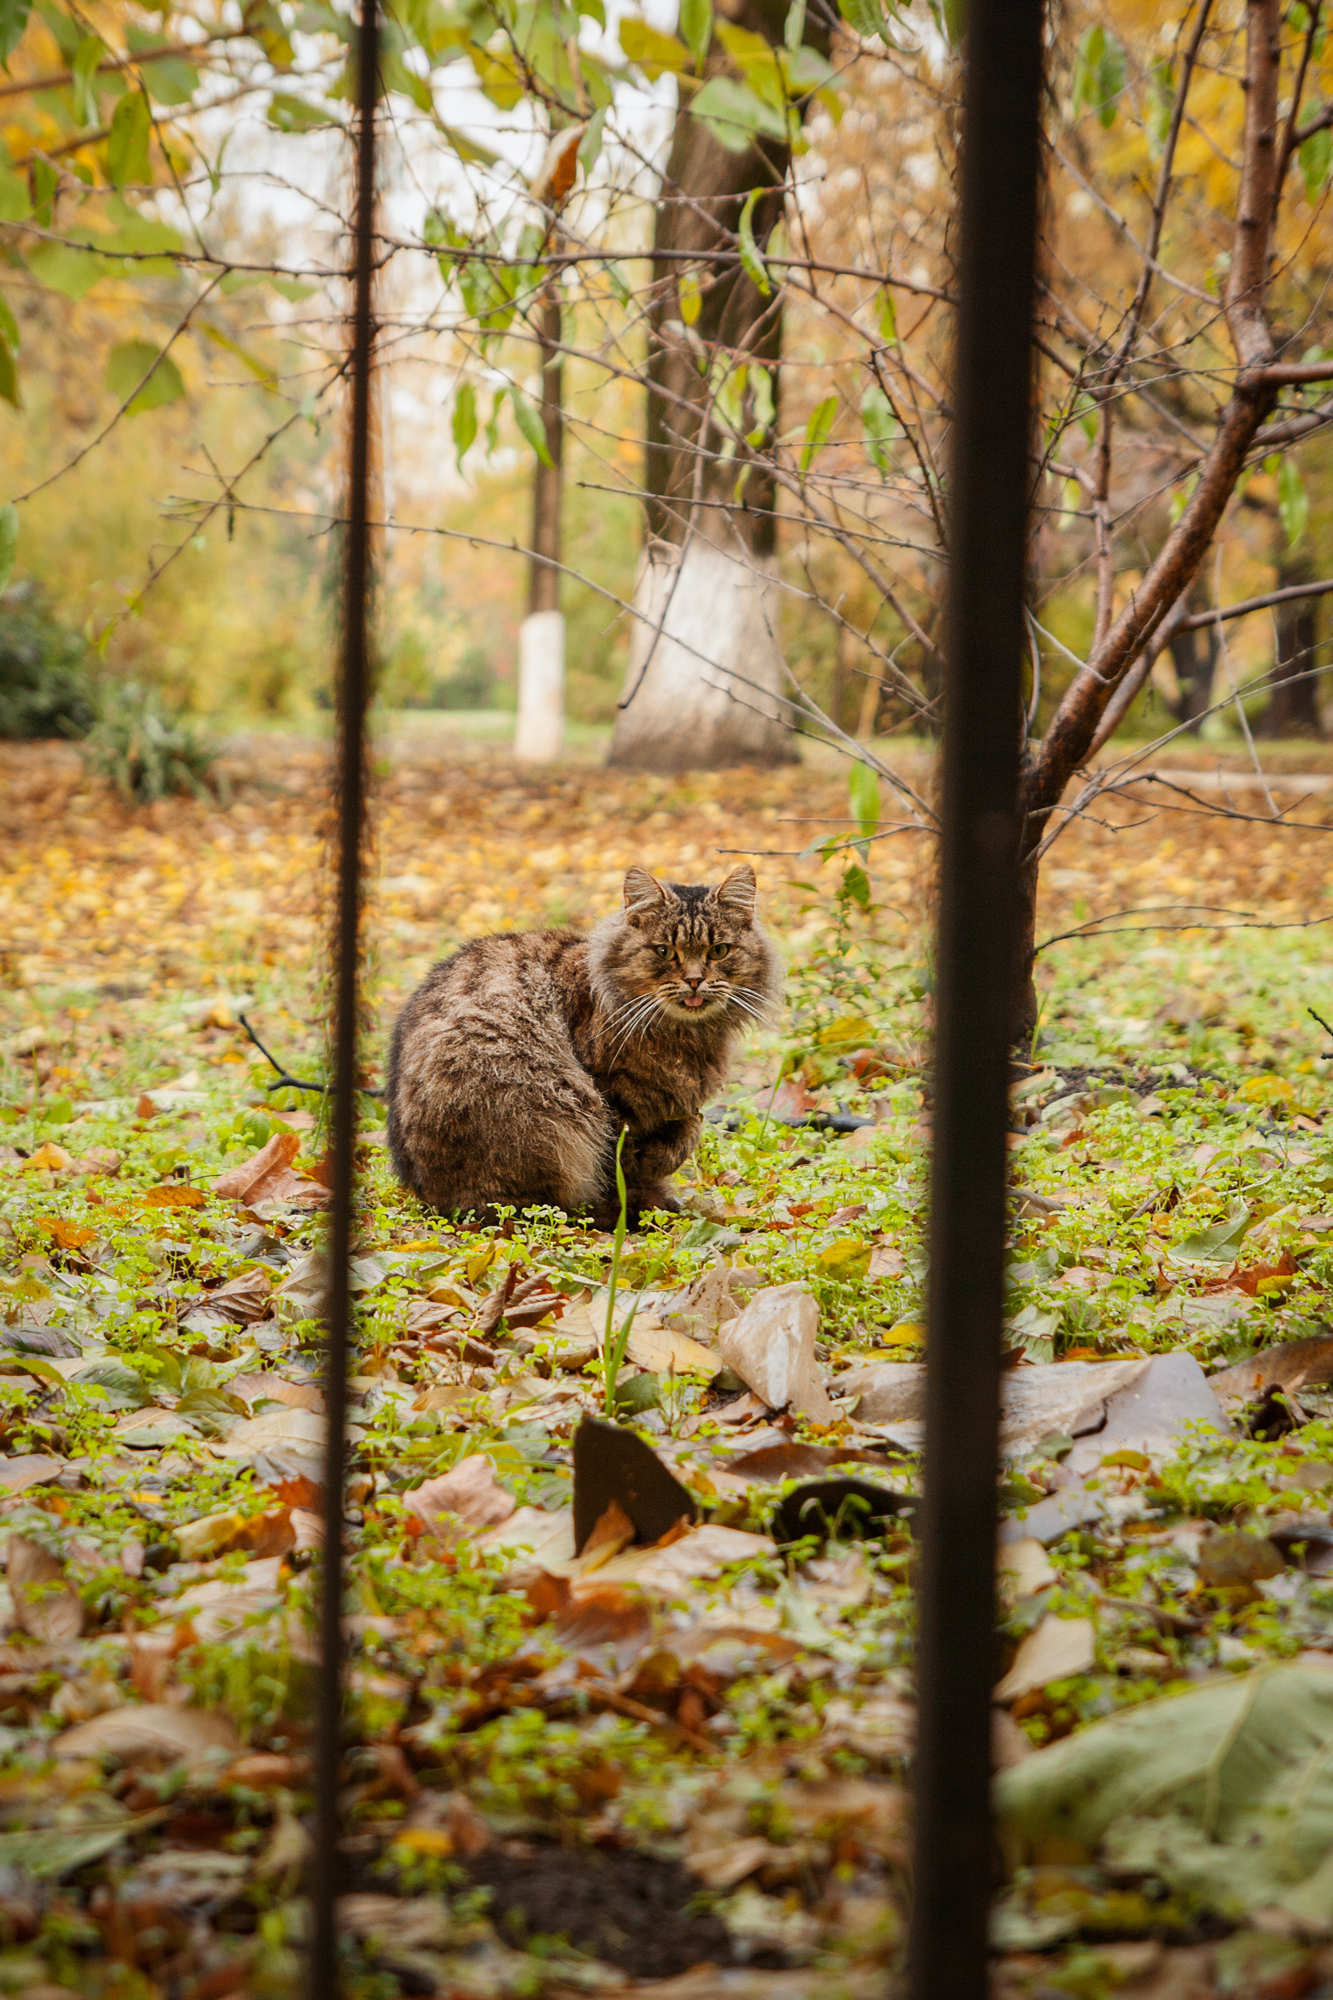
696, 1003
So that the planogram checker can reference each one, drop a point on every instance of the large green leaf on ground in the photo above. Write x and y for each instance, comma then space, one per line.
1225, 1793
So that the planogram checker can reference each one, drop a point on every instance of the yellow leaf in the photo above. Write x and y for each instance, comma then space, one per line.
846, 1259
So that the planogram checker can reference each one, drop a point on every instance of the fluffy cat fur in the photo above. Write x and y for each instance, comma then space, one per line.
516, 1062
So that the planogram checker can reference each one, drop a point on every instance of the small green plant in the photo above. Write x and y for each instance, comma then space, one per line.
44, 684
148, 751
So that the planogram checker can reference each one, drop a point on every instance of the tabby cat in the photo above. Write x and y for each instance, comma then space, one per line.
516, 1063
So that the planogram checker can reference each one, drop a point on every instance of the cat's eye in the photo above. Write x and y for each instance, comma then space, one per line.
662, 950
719, 950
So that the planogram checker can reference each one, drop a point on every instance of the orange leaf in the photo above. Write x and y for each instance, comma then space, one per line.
69, 1235
174, 1194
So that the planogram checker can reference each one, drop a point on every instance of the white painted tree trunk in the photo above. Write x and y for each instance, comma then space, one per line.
539, 736
705, 667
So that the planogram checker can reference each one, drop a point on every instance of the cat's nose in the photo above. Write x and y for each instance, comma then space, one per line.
694, 980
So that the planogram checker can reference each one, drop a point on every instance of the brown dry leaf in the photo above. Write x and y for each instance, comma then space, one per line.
45, 1604
664, 1352
157, 1732
600, 1620
97, 1160
1053, 1651
174, 1194
308, 1530
701, 1553
771, 1346
266, 1387
886, 1262
47, 1159
243, 1298
302, 1429
265, 1534
268, 1175
612, 1532
471, 1493
28, 1469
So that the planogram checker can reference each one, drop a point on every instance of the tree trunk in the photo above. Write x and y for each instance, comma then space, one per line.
706, 677
1194, 656
540, 728
1293, 710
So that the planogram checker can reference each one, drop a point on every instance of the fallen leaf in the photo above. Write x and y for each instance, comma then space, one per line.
850, 1509
48, 1158
243, 1298
1025, 1565
45, 1603
663, 1351
612, 1464
276, 1428
1224, 1791
271, 1388
201, 1739
1055, 1650
1292, 1364
174, 1194
771, 1346
1230, 1559
268, 1533
470, 1493
268, 1176
28, 1469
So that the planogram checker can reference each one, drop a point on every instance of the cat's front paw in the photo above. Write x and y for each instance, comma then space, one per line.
656, 1194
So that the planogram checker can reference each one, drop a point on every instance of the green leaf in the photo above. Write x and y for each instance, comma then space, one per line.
855, 886
817, 430
846, 1260
9, 326
650, 50
734, 113
1161, 104
793, 28
752, 262
1099, 74
464, 420
134, 362
867, 18
62, 268
1293, 502
953, 20
590, 145
696, 27
1218, 1245
863, 790
761, 399
529, 421
9, 379
881, 427
121, 1388
83, 69
9, 541
1316, 156
888, 316
690, 297
127, 145
1224, 1792
13, 20
15, 203
292, 114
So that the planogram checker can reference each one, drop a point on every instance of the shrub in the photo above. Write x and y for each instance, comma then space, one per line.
44, 685
147, 750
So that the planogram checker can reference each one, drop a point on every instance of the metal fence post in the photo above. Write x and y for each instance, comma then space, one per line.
978, 910
353, 685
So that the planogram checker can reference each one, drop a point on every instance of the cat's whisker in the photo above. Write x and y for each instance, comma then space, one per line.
641, 1012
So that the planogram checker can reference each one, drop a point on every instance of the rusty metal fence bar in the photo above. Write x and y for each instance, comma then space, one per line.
353, 686
975, 965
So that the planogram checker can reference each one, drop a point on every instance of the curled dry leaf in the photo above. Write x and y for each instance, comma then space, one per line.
45, 1604
771, 1346
268, 1175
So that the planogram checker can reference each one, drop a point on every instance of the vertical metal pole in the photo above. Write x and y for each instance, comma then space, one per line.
978, 912
322, 1980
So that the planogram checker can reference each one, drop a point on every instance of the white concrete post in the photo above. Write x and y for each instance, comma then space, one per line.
539, 736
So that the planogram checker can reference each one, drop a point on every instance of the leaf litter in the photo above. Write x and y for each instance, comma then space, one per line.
599, 1759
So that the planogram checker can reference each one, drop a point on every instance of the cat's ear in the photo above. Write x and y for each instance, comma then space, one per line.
643, 894
736, 895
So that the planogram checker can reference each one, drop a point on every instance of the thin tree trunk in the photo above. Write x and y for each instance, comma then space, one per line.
540, 728
1293, 710
706, 678
1194, 656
